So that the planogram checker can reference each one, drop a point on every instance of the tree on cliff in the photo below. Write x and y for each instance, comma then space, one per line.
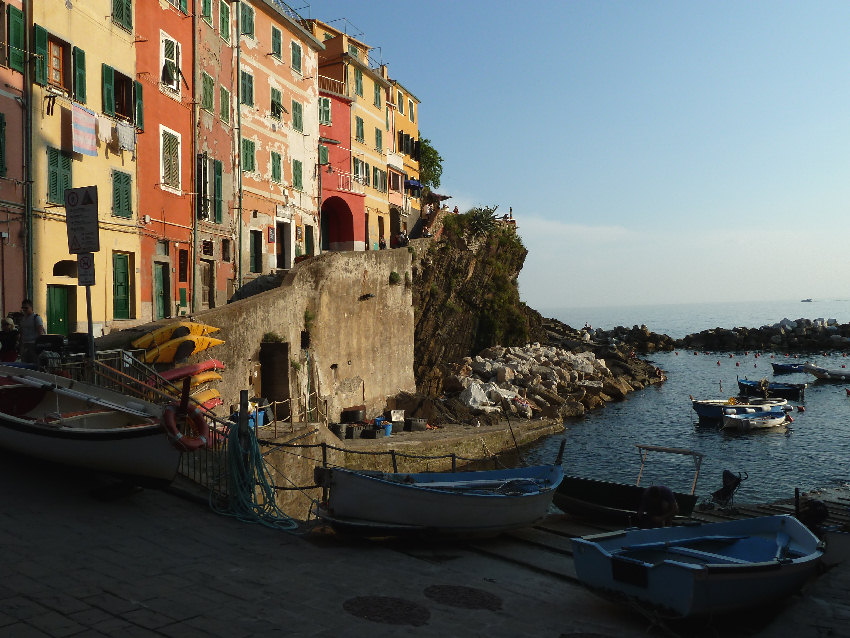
430, 164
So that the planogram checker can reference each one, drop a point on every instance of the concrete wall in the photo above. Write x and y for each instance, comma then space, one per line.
361, 346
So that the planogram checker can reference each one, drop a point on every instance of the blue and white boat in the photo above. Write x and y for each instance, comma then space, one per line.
701, 569
768, 389
714, 409
755, 420
786, 368
477, 503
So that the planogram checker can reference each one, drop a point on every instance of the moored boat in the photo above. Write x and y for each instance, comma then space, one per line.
786, 368
476, 503
827, 374
702, 569
768, 389
755, 420
73, 423
715, 408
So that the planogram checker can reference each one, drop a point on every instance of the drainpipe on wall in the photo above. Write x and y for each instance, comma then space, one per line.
238, 41
194, 162
28, 150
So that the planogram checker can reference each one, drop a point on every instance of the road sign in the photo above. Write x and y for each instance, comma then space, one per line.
85, 269
81, 213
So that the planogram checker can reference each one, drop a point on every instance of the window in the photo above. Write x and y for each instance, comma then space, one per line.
248, 156
277, 43
400, 103
56, 63
182, 265
358, 129
395, 182
379, 140
3, 32
122, 97
297, 116
207, 92
297, 179
325, 111
276, 172
361, 171
170, 62
121, 285
377, 95
224, 104
180, 4
246, 20
410, 112
277, 104
358, 82
122, 13
246, 88
206, 11
324, 155
121, 194
16, 39
225, 250
353, 51
170, 159
2, 143
296, 57
256, 256
224, 20
379, 179
58, 175
208, 180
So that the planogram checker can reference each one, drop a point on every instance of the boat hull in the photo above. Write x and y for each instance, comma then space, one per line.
793, 391
716, 408
71, 423
666, 568
825, 374
744, 422
435, 502
608, 501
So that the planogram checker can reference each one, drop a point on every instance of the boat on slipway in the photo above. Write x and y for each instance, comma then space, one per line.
699, 570
775, 389
455, 503
714, 409
83, 425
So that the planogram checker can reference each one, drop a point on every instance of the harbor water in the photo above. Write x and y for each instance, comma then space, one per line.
810, 453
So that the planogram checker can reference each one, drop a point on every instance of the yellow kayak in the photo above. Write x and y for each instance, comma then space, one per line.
173, 331
195, 381
180, 349
208, 397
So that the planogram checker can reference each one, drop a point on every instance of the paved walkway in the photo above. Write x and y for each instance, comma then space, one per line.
78, 560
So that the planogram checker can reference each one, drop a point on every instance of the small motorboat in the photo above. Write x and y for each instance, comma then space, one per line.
83, 425
755, 420
787, 368
827, 374
443, 503
714, 409
619, 503
772, 389
705, 569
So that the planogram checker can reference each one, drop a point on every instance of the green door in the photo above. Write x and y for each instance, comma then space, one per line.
57, 310
121, 286
161, 289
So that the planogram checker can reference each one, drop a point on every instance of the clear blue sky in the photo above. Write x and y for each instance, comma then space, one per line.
653, 152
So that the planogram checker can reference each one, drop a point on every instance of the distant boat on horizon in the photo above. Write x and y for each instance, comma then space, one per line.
805, 301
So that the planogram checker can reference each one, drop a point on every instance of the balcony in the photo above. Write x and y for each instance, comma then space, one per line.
395, 160
343, 182
332, 85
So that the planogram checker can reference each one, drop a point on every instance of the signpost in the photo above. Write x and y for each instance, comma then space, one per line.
83, 241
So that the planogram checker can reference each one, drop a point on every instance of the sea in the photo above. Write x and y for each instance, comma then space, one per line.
812, 453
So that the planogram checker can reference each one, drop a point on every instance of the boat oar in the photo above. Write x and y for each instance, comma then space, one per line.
683, 541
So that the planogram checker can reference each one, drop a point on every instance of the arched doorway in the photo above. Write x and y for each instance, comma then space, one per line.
338, 225
395, 225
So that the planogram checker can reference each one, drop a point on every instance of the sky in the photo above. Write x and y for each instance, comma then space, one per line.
652, 152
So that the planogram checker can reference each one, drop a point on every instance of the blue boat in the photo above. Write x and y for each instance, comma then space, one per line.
714, 409
786, 368
767, 389
701, 569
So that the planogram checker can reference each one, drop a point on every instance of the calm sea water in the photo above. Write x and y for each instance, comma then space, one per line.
813, 452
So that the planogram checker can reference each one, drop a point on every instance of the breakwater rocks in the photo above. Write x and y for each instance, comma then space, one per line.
544, 381
802, 335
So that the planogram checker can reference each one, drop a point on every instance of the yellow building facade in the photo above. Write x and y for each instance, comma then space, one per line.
404, 121
86, 112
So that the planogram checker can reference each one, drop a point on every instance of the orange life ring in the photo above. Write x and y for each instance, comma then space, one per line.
180, 440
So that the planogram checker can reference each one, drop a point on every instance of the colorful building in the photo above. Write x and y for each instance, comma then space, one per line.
278, 139
14, 148
86, 109
405, 188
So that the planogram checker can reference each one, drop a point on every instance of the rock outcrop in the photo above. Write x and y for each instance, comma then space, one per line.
802, 335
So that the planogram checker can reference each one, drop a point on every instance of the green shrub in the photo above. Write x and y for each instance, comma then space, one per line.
272, 337
394, 278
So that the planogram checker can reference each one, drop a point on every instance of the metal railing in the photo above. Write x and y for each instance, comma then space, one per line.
332, 85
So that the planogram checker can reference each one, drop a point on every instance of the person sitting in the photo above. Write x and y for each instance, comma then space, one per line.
382, 243
8, 340
658, 506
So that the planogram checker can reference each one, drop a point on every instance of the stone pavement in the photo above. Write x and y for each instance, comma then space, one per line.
78, 558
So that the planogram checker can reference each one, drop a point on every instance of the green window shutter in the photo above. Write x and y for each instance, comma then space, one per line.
379, 141
366, 172
183, 6
41, 53
248, 163
277, 43
247, 89
224, 104
297, 116
108, 89
79, 75
297, 180
2, 145
224, 20
247, 20
64, 175
358, 129
324, 110
52, 175
16, 40
277, 104
139, 109
276, 167
358, 82
388, 118
324, 157
378, 95
122, 13
128, 14
116, 193
121, 194
296, 57
207, 93
206, 9
217, 190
